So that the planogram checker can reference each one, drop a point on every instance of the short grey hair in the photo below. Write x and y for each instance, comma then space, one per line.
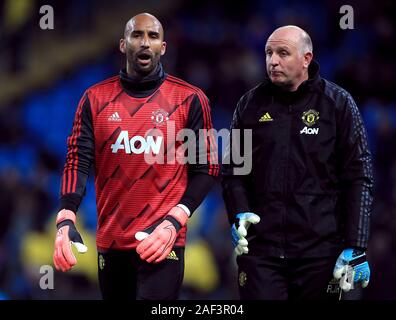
306, 43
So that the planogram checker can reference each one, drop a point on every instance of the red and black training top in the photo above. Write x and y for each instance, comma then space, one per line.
112, 128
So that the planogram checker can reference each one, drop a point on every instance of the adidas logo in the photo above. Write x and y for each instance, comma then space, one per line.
172, 255
114, 117
266, 117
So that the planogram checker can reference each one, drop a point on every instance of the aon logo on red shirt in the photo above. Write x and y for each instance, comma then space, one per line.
137, 144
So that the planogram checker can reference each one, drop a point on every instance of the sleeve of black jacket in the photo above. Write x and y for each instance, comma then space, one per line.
356, 176
235, 186
79, 159
203, 173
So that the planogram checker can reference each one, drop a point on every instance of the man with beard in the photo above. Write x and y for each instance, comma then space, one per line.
302, 214
143, 206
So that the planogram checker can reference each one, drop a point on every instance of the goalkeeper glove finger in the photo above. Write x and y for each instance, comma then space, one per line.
241, 247
157, 243
66, 235
239, 231
141, 235
352, 268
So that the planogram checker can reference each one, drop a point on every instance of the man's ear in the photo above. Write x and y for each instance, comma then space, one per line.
122, 46
307, 59
163, 49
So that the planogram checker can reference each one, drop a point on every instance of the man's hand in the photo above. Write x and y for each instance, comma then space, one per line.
158, 240
239, 231
352, 268
67, 234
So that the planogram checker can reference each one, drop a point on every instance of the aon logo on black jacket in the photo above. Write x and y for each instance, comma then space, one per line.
307, 130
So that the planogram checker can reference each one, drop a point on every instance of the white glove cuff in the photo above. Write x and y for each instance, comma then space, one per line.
184, 208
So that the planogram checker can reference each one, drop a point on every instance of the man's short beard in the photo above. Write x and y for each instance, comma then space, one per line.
141, 71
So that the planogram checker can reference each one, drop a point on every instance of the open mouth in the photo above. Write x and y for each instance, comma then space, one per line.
144, 58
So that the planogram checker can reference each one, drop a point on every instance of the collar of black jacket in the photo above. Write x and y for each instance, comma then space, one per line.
310, 84
138, 86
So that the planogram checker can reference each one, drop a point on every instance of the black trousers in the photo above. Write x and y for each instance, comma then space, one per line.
123, 275
263, 278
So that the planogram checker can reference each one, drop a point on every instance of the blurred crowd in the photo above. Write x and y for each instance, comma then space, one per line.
216, 45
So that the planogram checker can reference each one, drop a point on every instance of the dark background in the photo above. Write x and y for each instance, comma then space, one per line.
216, 45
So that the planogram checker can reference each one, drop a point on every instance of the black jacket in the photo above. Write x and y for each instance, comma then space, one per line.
311, 180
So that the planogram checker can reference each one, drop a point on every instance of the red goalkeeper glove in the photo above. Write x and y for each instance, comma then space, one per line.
67, 234
158, 240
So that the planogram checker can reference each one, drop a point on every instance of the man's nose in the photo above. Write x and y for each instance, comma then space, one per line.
145, 41
274, 60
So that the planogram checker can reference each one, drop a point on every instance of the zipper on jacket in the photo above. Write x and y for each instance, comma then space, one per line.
285, 187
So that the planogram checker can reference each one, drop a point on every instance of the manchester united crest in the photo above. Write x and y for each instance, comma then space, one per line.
310, 117
159, 117
242, 278
101, 262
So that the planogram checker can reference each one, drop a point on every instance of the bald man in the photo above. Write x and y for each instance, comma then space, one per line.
144, 202
300, 219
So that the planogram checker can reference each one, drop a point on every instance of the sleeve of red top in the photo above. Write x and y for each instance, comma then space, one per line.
202, 175
80, 157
